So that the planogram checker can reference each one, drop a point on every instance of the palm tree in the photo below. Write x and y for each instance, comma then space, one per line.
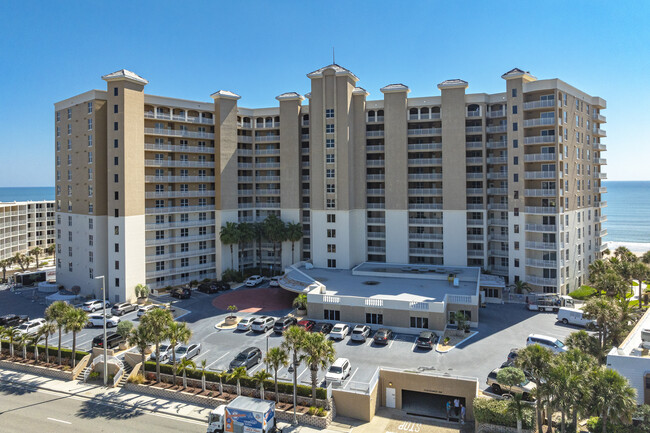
579, 366
535, 359
319, 353
51, 250
246, 235
47, 331
624, 254
639, 271
597, 269
294, 234
182, 368
613, 397
229, 235
294, 338
221, 375
56, 313
177, 333
521, 287
23, 340
258, 230
141, 290
36, 252
4, 264
645, 258
259, 379
276, 358
157, 323
76, 320
606, 314
204, 366
3, 333
35, 340
140, 337
22, 260
275, 231
238, 374
12, 334
300, 302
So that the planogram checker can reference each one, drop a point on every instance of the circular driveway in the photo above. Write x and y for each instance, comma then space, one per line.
255, 300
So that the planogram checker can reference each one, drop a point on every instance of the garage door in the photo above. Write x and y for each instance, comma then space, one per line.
425, 404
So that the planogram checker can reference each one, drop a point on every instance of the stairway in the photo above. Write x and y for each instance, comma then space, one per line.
84, 373
127, 371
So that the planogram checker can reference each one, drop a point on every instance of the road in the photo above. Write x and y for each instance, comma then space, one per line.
26, 410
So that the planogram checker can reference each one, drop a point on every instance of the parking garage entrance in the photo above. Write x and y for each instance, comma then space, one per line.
429, 404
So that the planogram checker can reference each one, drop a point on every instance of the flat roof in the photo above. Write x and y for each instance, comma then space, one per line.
418, 283
632, 345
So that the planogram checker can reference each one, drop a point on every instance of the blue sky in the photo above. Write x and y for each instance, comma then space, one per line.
50, 51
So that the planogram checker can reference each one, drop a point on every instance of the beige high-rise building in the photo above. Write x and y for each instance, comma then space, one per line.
25, 225
510, 182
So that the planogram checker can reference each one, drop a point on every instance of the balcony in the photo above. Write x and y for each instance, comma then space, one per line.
150, 258
474, 113
177, 209
479, 238
375, 119
497, 113
424, 146
599, 118
179, 118
541, 121
601, 190
473, 175
247, 125
426, 251
542, 103
498, 253
497, 206
244, 179
540, 281
603, 247
600, 146
161, 179
304, 150
379, 221
177, 194
244, 192
179, 224
422, 176
375, 162
426, 236
178, 133
267, 165
374, 133
498, 175
267, 152
425, 191
475, 253
547, 228
267, 191
497, 191
600, 204
267, 205
474, 160
497, 160
535, 192
496, 129
600, 175
497, 144
474, 129
540, 210
474, 191
244, 139
375, 191
600, 219
498, 237
539, 139
541, 157
244, 165
376, 235
424, 116
536, 263
600, 161
267, 125
375, 148
172, 163
380, 176
377, 250
602, 233
171, 148
262, 138
375, 205
475, 222
425, 221
264, 179
600, 132
178, 270
474, 145
532, 245
305, 137
425, 131
244, 152
425, 161
497, 222
425, 206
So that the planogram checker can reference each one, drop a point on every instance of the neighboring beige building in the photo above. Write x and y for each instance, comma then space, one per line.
25, 225
509, 182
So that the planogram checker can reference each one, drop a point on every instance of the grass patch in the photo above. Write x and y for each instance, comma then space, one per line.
583, 293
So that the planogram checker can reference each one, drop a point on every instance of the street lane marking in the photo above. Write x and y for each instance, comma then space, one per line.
58, 420
217, 360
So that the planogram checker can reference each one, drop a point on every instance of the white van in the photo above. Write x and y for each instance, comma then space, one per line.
551, 343
573, 316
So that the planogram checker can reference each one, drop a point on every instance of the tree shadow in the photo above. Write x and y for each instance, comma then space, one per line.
14, 389
103, 407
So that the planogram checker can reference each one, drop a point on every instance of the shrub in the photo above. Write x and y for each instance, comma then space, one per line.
137, 379
194, 283
93, 375
583, 293
111, 377
232, 275
312, 410
497, 412
321, 411
124, 328
65, 353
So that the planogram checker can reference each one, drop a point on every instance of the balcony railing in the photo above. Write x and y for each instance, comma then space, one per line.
178, 133
541, 228
426, 251
600, 161
375, 148
423, 176
177, 209
474, 191
261, 138
375, 162
541, 121
162, 179
173, 163
537, 263
178, 118
426, 236
177, 148
375, 191
425, 221
496, 128
423, 146
244, 138
474, 160
541, 245
497, 222
179, 224
600, 132
376, 235
267, 125
425, 161
497, 191
600, 175
375, 176
546, 103
425, 206
374, 133
540, 157
541, 209
475, 222
267, 178
498, 253
497, 160
377, 250
497, 206
538, 192
497, 144
266, 152
176, 194
498, 175
497, 113
375, 220
425, 131
474, 145
474, 129
540, 281
539, 139
424, 191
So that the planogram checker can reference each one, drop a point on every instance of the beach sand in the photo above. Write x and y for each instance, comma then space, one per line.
638, 248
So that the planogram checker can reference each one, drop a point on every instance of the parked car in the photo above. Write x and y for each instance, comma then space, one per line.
97, 320
512, 355
322, 327
146, 308
360, 333
245, 324
254, 280
307, 325
188, 352
123, 308
247, 358
207, 288
222, 286
165, 352
574, 316
339, 331
283, 323
526, 388
31, 327
338, 371
551, 343
262, 324
94, 305
274, 282
9, 320
383, 336
181, 293
113, 340
426, 340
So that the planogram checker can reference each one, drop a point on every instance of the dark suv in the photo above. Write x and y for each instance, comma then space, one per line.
113, 340
426, 340
12, 320
181, 293
283, 323
247, 358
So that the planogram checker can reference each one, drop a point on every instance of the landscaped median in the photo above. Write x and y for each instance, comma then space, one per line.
29, 364
212, 397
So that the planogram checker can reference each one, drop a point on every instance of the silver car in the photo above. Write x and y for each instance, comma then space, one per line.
165, 352
188, 352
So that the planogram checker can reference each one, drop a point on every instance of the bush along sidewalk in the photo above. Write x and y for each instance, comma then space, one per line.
53, 352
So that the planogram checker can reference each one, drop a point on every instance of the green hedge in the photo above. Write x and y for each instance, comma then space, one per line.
65, 353
498, 412
210, 376
583, 293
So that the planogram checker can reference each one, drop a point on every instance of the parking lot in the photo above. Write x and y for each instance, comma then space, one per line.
501, 328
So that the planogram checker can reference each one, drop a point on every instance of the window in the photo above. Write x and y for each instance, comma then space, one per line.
69, 251
329, 158
69, 236
58, 262
69, 113
58, 146
90, 157
516, 228
117, 195
58, 131
514, 93
185, 262
116, 160
90, 223
331, 188
90, 124
332, 315
117, 248
69, 144
329, 143
331, 218
331, 233
114, 91
516, 246
329, 173
90, 191
115, 108
331, 203
516, 263
116, 178
117, 213
117, 282
375, 318
69, 190
90, 240
116, 143
331, 263
516, 211
58, 233
331, 248
115, 126
329, 113
329, 129
419, 322
160, 250
514, 109
515, 160
58, 116
515, 126
69, 267
58, 160
90, 141
90, 256
70, 163
515, 177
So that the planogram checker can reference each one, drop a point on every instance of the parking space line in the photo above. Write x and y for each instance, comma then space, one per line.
391, 343
217, 360
369, 342
202, 354
414, 343
255, 368
303, 372
352, 375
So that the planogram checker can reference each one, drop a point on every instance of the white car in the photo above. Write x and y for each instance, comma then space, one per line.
551, 343
275, 282
145, 308
339, 371
263, 324
254, 280
188, 352
339, 331
31, 327
165, 352
97, 320
360, 333
94, 305
245, 324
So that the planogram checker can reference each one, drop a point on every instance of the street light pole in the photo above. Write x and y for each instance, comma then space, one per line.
104, 345
294, 369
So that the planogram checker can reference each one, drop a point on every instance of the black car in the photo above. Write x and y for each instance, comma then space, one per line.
113, 339
322, 327
283, 323
13, 320
383, 336
181, 293
247, 358
426, 340
222, 286
208, 288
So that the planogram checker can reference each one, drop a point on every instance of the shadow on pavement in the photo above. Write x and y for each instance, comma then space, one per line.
103, 407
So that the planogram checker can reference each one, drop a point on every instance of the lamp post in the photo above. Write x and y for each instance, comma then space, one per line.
294, 369
104, 345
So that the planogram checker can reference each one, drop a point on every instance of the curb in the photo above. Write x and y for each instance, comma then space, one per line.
457, 344
110, 401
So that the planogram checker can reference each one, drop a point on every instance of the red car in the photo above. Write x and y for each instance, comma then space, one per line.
307, 325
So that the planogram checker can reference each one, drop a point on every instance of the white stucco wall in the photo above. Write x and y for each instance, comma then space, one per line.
454, 236
397, 236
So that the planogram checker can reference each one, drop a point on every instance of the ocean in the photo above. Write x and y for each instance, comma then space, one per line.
10, 194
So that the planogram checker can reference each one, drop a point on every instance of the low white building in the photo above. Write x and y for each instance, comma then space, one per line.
632, 359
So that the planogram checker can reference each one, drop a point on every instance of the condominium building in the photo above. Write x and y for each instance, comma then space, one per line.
509, 182
25, 225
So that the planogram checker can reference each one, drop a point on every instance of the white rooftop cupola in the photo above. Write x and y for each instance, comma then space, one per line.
124, 74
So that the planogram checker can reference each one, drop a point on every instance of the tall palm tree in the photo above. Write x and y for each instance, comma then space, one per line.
276, 358
535, 359
182, 368
204, 366
639, 271
246, 235
4, 264
229, 235
294, 234
580, 366
645, 258
597, 268
259, 379
47, 331
22, 260
614, 398
36, 252
35, 340
157, 323
606, 314
238, 374
293, 341
51, 250
221, 375
275, 231
23, 340
76, 320
509, 377
3, 334
56, 313
12, 334
319, 354
177, 333
140, 337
